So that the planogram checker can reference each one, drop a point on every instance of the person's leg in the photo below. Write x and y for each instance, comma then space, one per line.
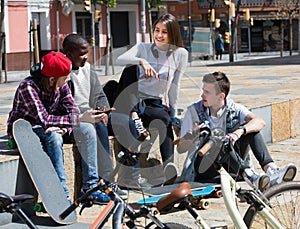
123, 128
158, 118
258, 147
86, 139
105, 166
52, 144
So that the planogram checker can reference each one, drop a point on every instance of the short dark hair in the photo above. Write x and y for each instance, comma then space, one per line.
221, 81
72, 42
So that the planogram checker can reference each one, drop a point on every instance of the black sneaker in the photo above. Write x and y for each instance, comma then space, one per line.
141, 130
98, 196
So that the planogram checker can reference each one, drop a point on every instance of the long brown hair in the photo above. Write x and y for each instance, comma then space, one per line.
45, 81
173, 29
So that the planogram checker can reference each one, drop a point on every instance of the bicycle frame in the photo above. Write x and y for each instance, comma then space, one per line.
229, 188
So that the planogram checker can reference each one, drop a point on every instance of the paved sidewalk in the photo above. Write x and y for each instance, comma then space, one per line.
257, 82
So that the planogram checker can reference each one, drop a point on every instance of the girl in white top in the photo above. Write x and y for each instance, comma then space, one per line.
161, 66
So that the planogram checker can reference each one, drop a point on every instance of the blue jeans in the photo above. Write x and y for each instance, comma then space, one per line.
92, 138
52, 144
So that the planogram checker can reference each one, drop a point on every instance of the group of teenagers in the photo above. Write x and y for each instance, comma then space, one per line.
63, 99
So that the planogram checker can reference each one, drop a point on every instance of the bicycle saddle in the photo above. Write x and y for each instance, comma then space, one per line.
6, 200
174, 197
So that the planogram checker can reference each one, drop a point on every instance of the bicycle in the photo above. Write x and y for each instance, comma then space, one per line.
118, 208
11, 204
278, 207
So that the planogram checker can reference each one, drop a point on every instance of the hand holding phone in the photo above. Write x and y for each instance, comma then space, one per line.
105, 111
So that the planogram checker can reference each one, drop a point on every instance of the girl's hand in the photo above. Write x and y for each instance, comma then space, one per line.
148, 70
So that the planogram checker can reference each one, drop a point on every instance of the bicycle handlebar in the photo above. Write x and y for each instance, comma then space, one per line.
101, 185
205, 148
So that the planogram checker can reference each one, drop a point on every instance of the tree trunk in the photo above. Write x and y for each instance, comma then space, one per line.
291, 34
281, 38
2, 37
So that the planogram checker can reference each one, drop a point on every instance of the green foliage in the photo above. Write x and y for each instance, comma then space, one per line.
107, 3
156, 4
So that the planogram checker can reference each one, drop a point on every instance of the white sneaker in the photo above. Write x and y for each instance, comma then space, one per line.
171, 173
141, 130
257, 181
278, 176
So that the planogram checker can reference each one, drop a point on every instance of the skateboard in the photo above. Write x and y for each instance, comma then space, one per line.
41, 172
200, 195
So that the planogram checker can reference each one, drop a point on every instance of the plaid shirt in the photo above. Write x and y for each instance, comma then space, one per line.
42, 107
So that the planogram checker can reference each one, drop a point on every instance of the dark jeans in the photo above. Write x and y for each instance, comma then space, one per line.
154, 115
219, 53
234, 163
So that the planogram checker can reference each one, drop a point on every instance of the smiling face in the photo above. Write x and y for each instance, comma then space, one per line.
161, 37
79, 56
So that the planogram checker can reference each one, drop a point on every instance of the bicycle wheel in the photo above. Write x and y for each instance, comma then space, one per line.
285, 201
170, 225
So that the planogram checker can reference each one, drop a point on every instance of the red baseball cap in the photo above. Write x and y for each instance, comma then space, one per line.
55, 64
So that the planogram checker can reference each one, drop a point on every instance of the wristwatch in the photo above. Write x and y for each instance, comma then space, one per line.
244, 129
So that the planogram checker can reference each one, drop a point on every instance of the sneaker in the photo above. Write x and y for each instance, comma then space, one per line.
122, 194
98, 196
141, 130
257, 181
278, 176
171, 173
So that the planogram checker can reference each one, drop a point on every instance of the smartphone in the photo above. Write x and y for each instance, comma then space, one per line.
105, 111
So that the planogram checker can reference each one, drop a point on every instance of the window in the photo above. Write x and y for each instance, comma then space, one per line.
84, 25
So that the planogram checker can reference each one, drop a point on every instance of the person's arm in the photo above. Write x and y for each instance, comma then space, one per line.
174, 88
184, 142
36, 107
250, 123
98, 99
67, 102
132, 56
138, 55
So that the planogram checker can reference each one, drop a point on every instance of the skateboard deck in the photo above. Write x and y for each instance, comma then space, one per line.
166, 189
41, 172
154, 199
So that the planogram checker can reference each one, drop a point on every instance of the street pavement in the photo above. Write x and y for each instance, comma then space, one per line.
257, 80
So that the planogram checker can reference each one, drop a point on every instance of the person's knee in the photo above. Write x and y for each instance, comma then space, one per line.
55, 139
85, 133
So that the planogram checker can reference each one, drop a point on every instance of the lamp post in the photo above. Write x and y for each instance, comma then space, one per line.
190, 32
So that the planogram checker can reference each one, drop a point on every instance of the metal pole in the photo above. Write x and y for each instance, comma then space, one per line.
249, 39
93, 34
57, 27
230, 35
143, 18
190, 31
299, 30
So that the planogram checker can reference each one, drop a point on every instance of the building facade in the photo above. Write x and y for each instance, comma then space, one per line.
56, 19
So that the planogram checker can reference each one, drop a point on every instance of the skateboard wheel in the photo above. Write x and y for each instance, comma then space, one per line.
218, 193
204, 204
39, 207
